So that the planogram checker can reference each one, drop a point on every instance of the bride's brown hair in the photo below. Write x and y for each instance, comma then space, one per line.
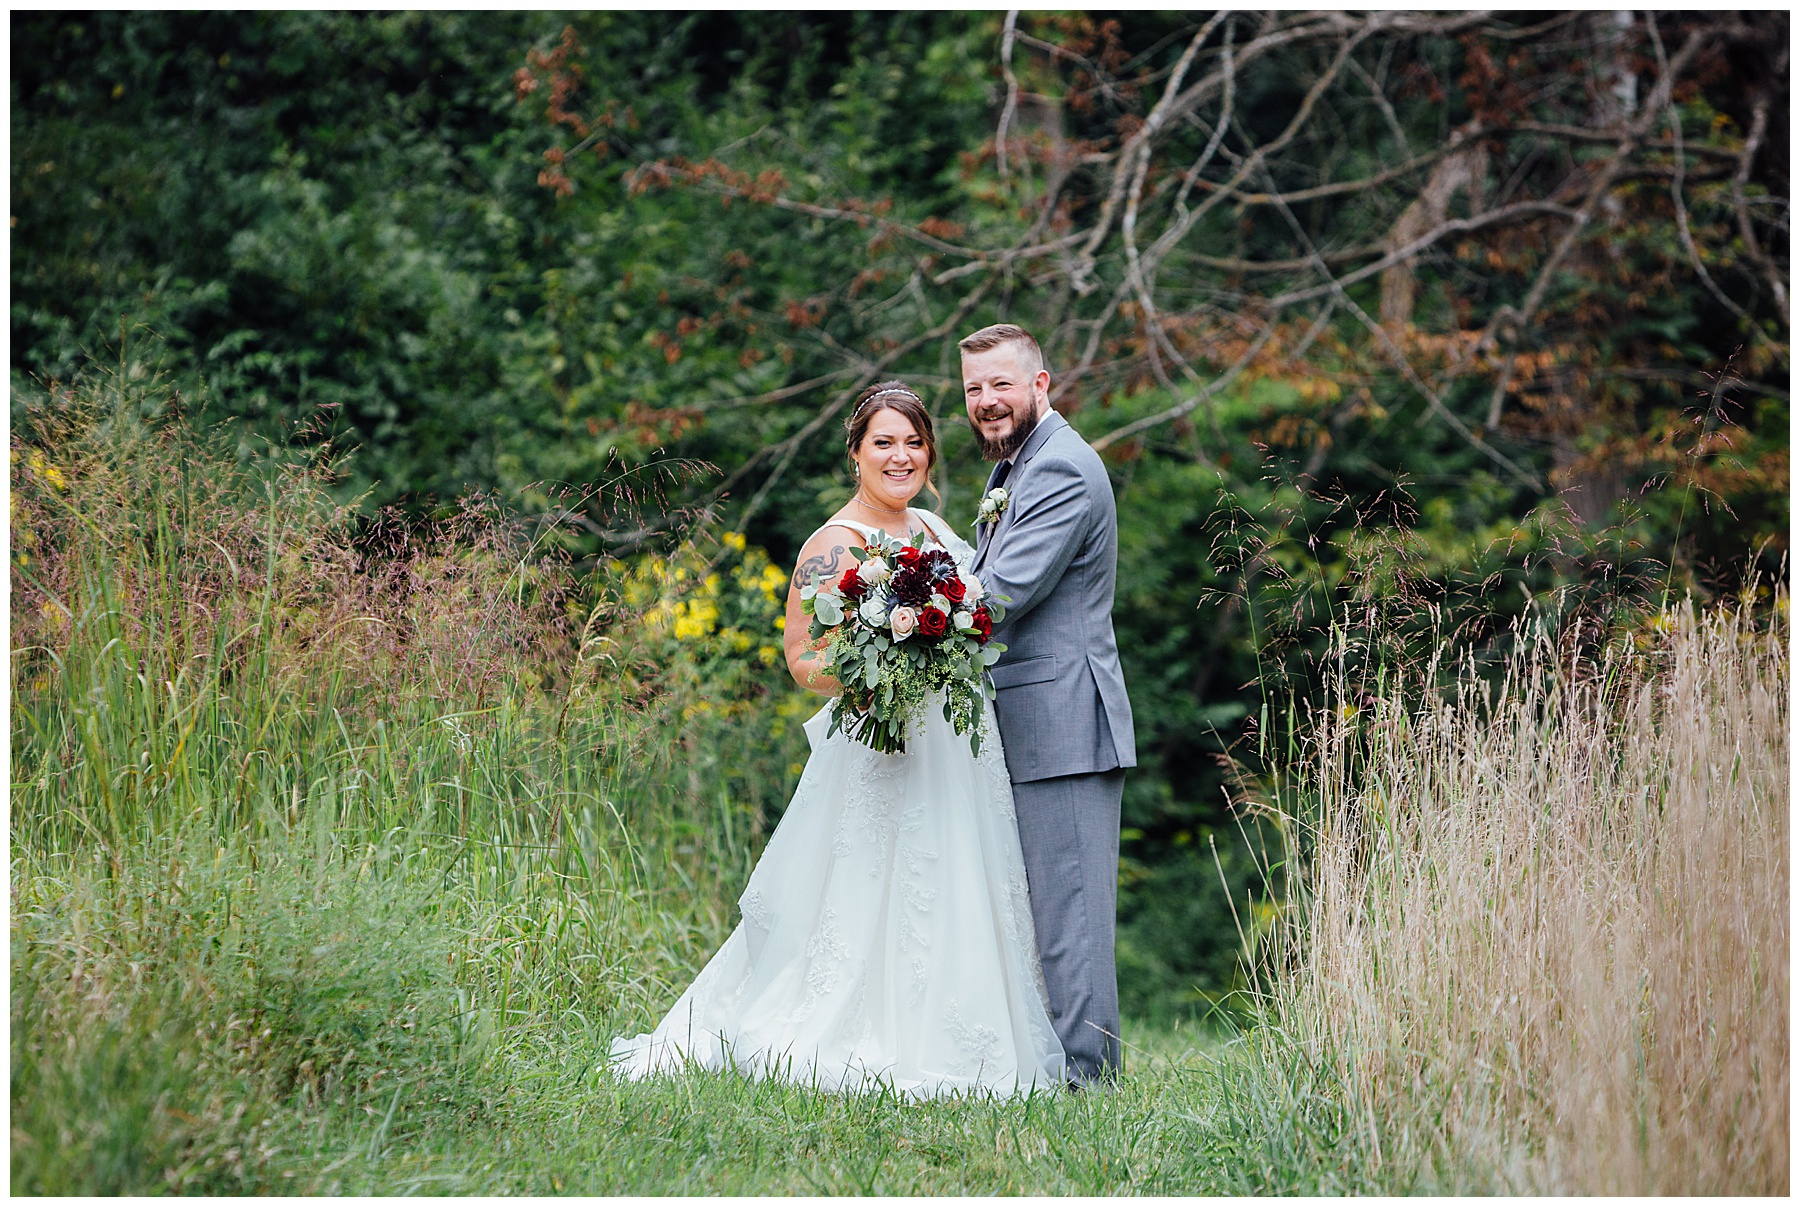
892, 396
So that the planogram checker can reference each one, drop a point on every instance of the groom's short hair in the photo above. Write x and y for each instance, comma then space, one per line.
1004, 333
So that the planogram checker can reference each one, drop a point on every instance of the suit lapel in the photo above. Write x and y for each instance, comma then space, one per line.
1040, 435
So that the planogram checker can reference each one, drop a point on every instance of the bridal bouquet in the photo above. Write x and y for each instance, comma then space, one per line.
902, 623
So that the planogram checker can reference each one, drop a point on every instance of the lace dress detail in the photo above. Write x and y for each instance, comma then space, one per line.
886, 933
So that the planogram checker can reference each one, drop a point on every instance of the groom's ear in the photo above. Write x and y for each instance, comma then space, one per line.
1040, 386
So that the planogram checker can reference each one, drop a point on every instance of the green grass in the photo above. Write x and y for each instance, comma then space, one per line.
194, 1021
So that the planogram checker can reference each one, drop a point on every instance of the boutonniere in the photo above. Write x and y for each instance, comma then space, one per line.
992, 504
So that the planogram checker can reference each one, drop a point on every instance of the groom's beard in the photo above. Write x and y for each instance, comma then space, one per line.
1003, 448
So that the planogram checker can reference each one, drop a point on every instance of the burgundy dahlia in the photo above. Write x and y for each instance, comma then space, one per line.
912, 585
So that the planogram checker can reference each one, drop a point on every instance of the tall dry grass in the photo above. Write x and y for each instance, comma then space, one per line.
1542, 932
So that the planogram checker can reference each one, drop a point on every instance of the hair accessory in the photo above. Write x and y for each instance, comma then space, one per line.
881, 394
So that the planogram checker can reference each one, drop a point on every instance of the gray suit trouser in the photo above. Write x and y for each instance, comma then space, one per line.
1069, 835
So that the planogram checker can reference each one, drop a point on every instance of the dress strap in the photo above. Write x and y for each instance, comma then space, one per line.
863, 530
947, 536
938, 526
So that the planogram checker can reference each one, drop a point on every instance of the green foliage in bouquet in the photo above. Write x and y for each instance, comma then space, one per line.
904, 623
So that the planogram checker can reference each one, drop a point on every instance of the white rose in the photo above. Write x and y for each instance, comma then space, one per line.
874, 572
902, 620
973, 591
874, 612
963, 620
940, 603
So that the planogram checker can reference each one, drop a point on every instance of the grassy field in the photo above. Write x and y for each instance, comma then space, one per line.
339, 855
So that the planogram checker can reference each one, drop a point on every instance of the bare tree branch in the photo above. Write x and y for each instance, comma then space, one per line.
1387, 110
1400, 362
1675, 186
1012, 91
777, 395
1533, 31
1251, 162
1454, 226
1515, 319
1228, 70
1084, 264
1182, 408
1759, 125
1584, 134
1152, 126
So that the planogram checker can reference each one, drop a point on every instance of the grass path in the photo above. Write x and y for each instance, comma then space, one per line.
1174, 1126
304, 1025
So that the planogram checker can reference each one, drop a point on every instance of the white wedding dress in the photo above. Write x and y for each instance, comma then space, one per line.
886, 933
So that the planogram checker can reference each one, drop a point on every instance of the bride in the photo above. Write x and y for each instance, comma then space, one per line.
886, 933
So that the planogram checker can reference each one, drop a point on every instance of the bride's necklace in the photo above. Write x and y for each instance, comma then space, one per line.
858, 497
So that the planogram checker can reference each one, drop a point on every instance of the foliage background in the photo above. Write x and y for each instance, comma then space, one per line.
653, 253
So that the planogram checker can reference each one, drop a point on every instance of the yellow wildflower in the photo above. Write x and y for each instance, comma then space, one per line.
773, 581
47, 471
695, 618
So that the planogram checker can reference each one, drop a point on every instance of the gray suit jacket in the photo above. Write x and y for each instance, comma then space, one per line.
1062, 707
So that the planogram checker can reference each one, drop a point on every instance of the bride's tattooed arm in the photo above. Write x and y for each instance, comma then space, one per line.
825, 564
826, 557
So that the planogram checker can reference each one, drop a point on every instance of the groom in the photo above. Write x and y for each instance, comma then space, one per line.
1062, 710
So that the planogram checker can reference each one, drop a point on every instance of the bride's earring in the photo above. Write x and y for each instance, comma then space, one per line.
855, 470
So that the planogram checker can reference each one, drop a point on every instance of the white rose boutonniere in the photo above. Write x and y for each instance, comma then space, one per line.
992, 504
